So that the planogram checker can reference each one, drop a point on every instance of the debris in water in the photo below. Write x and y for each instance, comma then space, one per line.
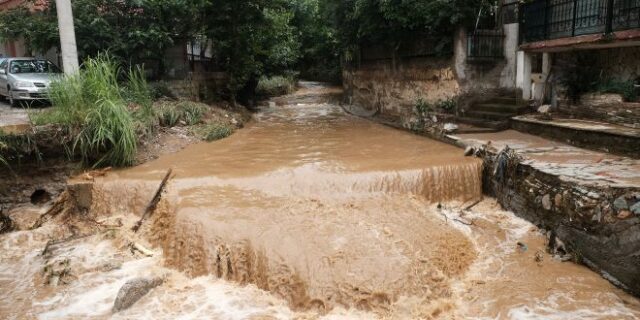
133, 290
450, 127
154, 201
539, 257
6, 224
138, 247
522, 247
469, 151
56, 271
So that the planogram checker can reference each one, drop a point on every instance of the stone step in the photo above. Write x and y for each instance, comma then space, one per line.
496, 125
502, 108
508, 100
489, 115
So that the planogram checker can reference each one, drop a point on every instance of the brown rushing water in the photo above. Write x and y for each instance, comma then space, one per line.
311, 213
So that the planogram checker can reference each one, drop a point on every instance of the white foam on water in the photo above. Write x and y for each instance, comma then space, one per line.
554, 308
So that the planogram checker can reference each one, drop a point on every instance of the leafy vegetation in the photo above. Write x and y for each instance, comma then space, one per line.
215, 131
582, 74
133, 31
92, 107
276, 85
625, 88
422, 106
170, 113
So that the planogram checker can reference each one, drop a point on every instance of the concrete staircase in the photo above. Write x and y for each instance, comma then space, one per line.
493, 114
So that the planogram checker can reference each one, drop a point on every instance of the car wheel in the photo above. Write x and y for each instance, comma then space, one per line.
13, 102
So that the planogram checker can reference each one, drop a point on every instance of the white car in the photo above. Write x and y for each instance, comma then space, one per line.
26, 79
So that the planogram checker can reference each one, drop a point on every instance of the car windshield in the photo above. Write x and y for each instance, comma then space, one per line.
33, 66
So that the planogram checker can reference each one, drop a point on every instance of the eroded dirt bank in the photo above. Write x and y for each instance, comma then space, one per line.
307, 213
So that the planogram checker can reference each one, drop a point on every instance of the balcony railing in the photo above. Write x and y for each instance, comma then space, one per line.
485, 44
553, 19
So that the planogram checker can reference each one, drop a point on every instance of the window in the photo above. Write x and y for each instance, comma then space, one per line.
33, 66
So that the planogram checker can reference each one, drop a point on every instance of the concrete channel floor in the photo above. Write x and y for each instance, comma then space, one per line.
584, 125
570, 163
13, 120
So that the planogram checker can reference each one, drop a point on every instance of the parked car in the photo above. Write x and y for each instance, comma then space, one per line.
26, 79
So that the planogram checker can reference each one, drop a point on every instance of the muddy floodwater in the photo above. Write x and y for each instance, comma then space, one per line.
308, 213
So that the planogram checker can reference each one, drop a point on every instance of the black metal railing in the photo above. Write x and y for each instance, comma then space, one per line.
485, 44
553, 19
509, 12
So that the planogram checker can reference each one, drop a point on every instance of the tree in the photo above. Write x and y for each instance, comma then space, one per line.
320, 51
393, 22
131, 30
251, 38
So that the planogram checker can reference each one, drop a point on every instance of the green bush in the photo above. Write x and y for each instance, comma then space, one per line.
276, 86
160, 90
170, 113
447, 105
192, 112
625, 88
215, 131
422, 106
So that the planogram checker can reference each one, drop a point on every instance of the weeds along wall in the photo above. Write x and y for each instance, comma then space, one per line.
395, 86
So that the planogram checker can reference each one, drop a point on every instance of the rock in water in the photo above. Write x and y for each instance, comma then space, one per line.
546, 202
635, 208
133, 290
621, 203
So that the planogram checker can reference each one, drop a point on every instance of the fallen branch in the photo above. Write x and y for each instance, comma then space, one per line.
58, 207
463, 222
467, 208
154, 202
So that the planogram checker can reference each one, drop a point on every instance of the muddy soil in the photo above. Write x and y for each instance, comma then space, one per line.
307, 213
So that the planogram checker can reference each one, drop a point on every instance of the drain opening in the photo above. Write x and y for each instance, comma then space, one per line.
40, 196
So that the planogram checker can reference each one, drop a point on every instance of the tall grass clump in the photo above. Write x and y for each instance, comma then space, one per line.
170, 113
139, 96
214, 131
276, 85
92, 106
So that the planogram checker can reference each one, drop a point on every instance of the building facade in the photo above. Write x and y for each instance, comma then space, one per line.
555, 35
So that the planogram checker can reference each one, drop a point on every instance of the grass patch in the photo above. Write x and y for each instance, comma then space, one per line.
104, 117
276, 86
214, 131
170, 113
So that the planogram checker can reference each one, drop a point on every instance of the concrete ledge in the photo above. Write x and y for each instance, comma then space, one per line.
582, 133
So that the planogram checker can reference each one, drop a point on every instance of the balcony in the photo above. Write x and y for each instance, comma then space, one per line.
542, 20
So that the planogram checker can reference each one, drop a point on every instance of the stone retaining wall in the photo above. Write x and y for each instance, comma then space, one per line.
595, 223
199, 86
392, 87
